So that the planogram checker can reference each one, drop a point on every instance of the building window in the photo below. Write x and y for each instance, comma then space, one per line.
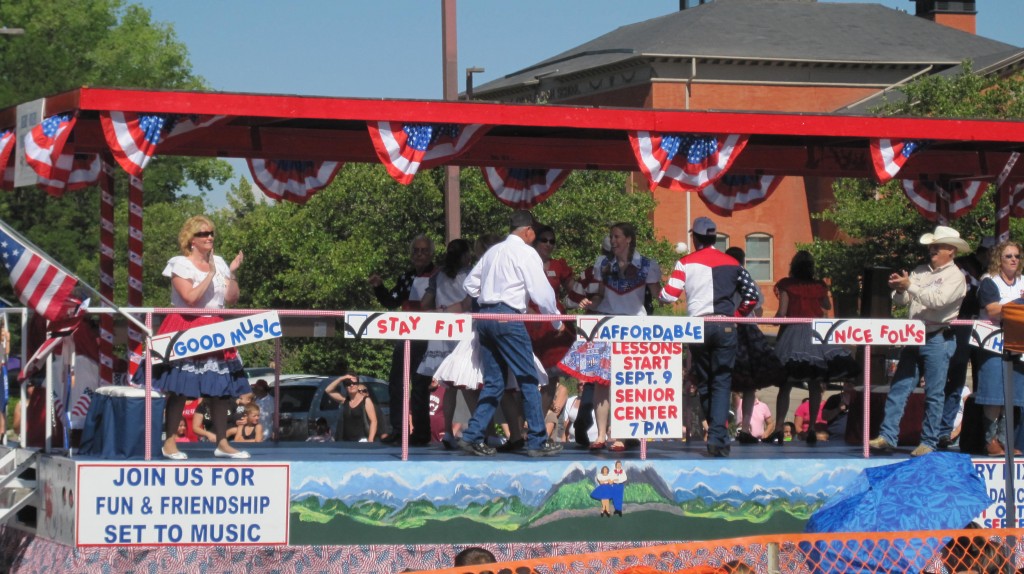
721, 242
759, 257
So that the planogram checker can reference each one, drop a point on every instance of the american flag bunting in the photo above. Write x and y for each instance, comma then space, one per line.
685, 162
888, 156
738, 192
295, 181
404, 149
523, 188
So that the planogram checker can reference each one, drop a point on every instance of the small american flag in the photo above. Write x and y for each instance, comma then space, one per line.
38, 282
888, 156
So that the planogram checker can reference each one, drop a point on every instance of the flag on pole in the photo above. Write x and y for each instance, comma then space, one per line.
38, 282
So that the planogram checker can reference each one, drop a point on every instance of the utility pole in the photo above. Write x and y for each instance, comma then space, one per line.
450, 71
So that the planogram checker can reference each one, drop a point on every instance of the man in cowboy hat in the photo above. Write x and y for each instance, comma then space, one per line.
934, 292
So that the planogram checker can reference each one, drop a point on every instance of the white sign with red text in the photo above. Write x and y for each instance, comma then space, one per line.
868, 332
993, 473
640, 328
647, 389
402, 325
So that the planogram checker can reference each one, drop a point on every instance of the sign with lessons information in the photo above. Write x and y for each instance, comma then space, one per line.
641, 328
868, 332
647, 389
993, 474
182, 504
402, 325
215, 337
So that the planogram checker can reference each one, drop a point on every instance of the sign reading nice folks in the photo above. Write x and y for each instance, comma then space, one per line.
868, 332
646, 371
215, 337
407, 325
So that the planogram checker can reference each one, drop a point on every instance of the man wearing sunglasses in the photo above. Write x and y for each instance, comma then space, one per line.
934, 292
407, 294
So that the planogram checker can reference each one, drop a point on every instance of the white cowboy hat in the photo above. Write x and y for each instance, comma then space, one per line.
946, 236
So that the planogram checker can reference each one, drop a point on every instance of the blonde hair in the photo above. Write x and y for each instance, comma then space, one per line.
995, 264
252, 409
189, 229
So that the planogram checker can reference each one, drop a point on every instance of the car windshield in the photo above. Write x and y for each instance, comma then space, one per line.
296, 399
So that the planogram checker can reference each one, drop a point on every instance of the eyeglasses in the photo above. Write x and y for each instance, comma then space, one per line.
203, 234
1010, 256
546, 240
351, 383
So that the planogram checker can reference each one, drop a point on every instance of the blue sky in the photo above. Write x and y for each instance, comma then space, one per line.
392, 48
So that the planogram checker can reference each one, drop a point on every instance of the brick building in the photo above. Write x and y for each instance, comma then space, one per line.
763, 55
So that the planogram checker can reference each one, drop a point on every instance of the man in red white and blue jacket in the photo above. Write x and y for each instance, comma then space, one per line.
715, 285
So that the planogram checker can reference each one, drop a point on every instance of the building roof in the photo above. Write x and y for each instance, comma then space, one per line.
793, 30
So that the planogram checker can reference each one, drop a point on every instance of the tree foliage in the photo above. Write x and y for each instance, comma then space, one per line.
880, 226
318, 256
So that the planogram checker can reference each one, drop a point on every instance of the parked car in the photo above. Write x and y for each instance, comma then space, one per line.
303, 401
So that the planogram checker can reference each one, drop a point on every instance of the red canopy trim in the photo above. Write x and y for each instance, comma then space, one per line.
690, 162
404, 149
523, 188
295, 181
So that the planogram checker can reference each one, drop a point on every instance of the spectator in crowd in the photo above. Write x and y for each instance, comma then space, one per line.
407, 293
201, 282
933, 291
710, 280
322, 431
474, 556
263, 399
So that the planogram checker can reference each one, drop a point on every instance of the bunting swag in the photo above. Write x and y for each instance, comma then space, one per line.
6, 148
523, 188
82, 171
738, 192
46, 143
888, 156
924, 196
295, 181
404, 149
133, 138
690, 162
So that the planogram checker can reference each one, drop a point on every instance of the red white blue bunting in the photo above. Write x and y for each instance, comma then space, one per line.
888, 156
295, 181
404, 149
738, 192
924, 196
81, 170
133, 138
523, 188
685, 162
45, 144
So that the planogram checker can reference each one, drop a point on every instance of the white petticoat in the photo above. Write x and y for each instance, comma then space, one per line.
462, 369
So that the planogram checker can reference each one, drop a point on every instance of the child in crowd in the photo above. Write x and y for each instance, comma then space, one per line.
323, 432
249, 428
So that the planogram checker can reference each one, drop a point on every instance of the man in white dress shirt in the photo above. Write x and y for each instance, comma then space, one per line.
505, 280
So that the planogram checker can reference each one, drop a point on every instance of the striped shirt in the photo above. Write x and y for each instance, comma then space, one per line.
714, 283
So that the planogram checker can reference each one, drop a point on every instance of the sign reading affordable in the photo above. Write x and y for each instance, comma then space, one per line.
408, 325
215, 337
989, 337
868, 332
194, 504
646, 370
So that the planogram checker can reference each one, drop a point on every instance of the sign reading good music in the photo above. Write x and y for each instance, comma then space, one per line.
868, 332
404, 325
216, 337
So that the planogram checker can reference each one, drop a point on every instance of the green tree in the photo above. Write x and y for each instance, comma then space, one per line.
880, 225
97, 43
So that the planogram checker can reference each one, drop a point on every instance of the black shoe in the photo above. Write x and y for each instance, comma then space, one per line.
944, 443
745, 438
812, 438
776, 438
390, 439
449, 444
548, 449
618, 513
477, 448
419, 441
512, 445
718, 451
